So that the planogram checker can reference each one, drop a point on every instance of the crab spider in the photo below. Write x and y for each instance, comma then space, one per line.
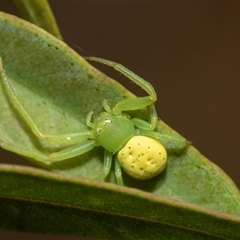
134, 143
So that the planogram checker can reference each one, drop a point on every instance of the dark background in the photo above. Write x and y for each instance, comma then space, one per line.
189, 51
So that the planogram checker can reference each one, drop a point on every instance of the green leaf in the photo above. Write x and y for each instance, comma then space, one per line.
58, 88
39, 13
52, 203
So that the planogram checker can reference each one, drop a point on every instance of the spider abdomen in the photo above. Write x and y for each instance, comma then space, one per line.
143, 157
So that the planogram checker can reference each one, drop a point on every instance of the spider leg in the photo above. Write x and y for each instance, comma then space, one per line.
107, 163
118, 172
135, 103
171, 143
62, 138
142, 124
45, 160
146, 86
73, 151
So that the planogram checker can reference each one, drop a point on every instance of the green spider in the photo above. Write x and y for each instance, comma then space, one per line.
133, 141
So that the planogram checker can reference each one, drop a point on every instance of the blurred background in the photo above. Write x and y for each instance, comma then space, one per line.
190, 53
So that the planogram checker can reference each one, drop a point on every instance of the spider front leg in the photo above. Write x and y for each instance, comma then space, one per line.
136, 103
62, 138
80, 138
45, 160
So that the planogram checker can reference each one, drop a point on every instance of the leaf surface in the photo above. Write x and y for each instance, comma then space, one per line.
56, 204
39, 13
